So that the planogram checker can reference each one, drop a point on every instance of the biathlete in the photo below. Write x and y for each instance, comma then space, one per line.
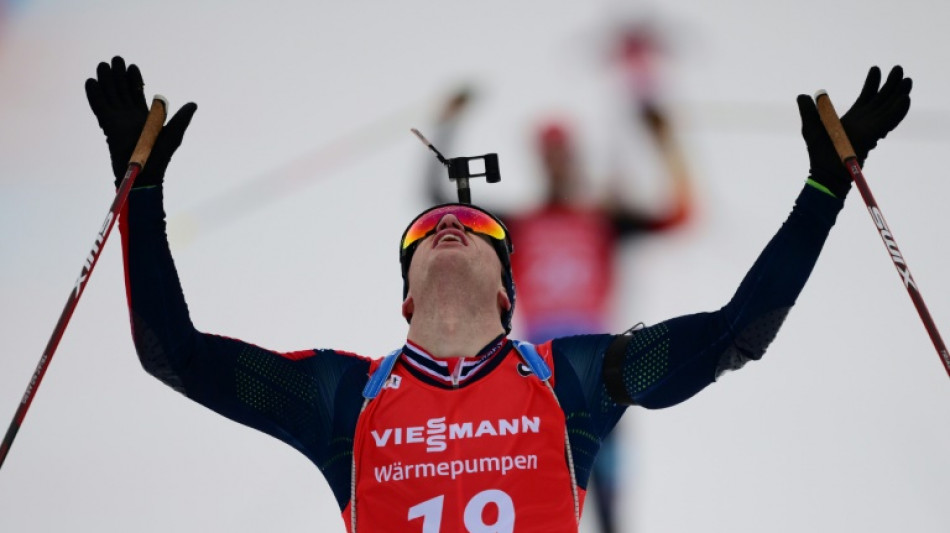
462, 428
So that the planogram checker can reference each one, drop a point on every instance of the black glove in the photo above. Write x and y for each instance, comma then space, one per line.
872, 116
117, 98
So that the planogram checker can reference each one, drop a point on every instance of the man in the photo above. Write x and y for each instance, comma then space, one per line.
460, 429
567, 246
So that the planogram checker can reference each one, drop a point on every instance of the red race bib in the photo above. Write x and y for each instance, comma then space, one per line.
489, 457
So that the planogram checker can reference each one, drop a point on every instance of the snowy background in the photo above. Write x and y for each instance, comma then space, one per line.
298, 175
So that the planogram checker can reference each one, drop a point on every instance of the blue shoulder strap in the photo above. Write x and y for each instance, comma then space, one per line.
534, 360
378, 378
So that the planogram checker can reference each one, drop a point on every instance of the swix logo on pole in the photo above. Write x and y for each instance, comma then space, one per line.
29, 389
93, 254
892, 247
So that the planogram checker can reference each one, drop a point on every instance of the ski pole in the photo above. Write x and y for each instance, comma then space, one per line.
153, 125
829, 117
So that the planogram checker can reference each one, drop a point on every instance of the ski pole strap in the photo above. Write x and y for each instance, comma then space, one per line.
378, 378
530, 355
613, 370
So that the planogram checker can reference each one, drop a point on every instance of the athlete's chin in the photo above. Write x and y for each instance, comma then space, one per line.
459, 272
450, 259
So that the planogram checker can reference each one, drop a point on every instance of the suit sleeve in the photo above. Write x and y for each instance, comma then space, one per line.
667, 363
295, 397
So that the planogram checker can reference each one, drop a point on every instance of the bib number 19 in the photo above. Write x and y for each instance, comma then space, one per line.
474, 515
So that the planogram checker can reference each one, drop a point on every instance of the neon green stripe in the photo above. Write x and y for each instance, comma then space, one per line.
821, 187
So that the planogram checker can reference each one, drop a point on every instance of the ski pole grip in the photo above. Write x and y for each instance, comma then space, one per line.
829, 117
153, 126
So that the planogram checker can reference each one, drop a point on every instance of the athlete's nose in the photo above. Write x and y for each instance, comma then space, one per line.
449, 221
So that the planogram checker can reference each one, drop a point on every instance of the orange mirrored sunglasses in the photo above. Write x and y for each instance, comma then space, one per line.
473, 218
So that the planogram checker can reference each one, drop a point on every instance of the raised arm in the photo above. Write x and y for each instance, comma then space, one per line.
638, 57
671, 361
292, 396
628, 219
